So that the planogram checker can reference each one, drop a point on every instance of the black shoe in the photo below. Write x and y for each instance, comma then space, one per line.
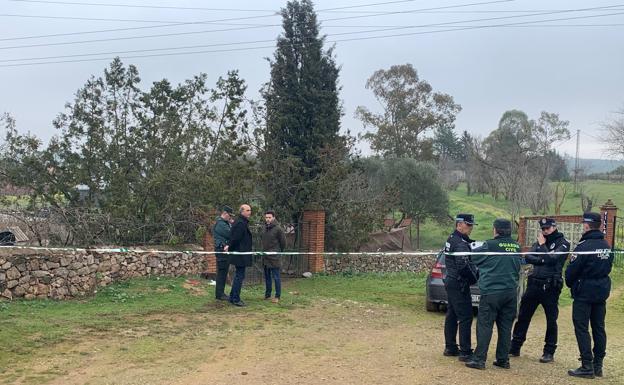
585, 371
451, 353
239, 303
502, 364
598, 370
465, 356
514, 352
546, 358
223, 297
475, 365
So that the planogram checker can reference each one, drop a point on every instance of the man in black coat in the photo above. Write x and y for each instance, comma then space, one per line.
241, 241
457, 283
543, 288
587, 276
221, 236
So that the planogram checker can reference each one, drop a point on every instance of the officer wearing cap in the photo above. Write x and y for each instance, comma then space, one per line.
498, 284
587, 276
460, 274
221, 235
543, 288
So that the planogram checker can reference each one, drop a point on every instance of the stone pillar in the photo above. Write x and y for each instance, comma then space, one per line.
608, 212
522, 229
313, 236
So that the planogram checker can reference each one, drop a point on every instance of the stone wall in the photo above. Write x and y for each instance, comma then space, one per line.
379, 263
33, 273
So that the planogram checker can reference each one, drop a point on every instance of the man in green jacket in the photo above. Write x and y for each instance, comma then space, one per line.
221, 236
273, 239
498, 283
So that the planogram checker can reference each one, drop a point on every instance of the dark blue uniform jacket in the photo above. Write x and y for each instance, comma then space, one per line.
587, 275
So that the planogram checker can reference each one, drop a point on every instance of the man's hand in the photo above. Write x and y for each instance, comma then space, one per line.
226, 248
541, 239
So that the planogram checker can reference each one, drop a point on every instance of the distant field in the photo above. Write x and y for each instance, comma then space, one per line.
486, 209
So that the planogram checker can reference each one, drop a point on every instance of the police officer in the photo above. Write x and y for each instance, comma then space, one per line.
543, 288
221, 235
498, 283
457, 283
587, 276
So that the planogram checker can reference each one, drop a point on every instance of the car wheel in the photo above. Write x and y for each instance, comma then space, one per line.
432, 306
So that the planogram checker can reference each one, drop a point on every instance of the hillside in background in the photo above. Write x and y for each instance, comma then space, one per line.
594, 166
486, 209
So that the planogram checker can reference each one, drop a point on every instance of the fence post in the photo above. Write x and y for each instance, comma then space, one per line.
208, 243
608, 212
314, 238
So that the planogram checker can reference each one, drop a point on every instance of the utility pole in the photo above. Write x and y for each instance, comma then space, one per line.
576, 162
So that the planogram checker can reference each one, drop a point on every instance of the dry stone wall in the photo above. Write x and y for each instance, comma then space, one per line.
32, 273
379, 263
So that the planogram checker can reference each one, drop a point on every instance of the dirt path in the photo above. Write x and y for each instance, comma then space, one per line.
326, 342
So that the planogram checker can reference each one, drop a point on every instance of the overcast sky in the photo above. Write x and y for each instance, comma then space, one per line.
534, 63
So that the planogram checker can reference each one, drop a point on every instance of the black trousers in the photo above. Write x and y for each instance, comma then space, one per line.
458, 316
499, 308
535, 295
222, 272
584, 314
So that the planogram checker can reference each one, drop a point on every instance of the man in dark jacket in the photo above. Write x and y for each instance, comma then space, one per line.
498, 284
273, 240
543, 288
240, 241
587, 276
221, 236
457, 284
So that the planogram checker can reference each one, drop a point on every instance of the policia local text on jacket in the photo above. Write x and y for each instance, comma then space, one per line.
459, 308
498, 284
543, 288
587, 275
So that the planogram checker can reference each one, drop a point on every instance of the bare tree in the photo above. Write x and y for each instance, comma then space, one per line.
614, 134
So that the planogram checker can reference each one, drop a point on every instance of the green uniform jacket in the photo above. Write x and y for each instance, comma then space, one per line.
221, 233
498, 273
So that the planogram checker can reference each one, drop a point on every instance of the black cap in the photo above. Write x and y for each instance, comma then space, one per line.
547, 222
591, 218
227, 209
502, 224
468, 218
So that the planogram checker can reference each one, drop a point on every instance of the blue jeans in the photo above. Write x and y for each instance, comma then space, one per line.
275, 272
237, 284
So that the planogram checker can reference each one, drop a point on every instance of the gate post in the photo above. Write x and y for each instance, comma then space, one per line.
608, 211
208, 243
313, 236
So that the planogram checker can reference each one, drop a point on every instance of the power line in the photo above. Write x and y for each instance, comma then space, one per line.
526, 23
334, 19
204, 31
273, 46
244, 18
198, 8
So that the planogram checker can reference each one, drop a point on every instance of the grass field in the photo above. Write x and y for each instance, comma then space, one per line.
348, 329
486, 209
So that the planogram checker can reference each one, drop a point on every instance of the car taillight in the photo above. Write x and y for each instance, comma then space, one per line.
436, 272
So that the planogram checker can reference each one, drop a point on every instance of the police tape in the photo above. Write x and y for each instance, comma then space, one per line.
121, 250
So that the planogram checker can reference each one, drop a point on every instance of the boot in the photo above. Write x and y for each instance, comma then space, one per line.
475, 365
598, 368
547, 357
514, 351
465, 356
451, 352
586, 370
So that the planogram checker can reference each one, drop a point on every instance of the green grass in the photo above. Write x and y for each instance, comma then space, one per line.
486, 209
27, 327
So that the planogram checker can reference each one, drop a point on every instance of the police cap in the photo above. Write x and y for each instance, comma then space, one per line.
502, 224
227, 209
467, 218
591, 218
547, 222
